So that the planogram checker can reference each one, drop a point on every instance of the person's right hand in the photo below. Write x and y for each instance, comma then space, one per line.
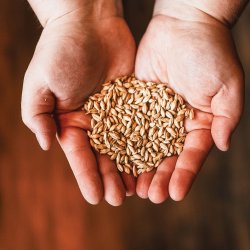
75, 54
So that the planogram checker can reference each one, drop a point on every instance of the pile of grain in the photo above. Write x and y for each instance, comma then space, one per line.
137, 123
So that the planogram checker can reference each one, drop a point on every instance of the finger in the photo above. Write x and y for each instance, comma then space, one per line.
227, 106
196, 148
77, 119
129, 183
75, 144
37, 106
114, 190
202, 120
158, 190
143, 184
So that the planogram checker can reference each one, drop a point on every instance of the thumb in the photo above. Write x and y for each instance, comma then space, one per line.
227, 106
37, 106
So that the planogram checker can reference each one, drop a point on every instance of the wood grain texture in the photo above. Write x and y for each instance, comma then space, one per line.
40, 203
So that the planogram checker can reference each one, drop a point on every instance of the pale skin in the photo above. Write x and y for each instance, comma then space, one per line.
195, 54
75, 52
84, 44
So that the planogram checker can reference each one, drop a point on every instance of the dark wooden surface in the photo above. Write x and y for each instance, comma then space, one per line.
41, 206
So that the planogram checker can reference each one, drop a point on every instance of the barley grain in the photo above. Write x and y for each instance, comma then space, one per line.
137, 123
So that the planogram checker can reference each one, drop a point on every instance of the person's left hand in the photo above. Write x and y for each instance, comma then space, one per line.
198, 60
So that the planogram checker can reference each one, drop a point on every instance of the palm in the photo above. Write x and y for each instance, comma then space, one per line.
73, 62
107, 60
195, 60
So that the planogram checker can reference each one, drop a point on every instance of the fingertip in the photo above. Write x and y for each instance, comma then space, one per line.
141, 189
180, 184
175, 193
114, 190
129, 183
143, 184
115, 193
44, 128
45, 140
221, 132
222, 146
130, 192
93, 200
221, 141
143, 194
156, 196
90, 187
75, 144
158, 190
115, 199
176, 196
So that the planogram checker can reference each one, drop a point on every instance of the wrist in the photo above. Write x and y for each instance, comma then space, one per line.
47, 10
211, 11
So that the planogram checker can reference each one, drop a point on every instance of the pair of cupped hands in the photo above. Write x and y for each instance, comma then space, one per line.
76, 53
